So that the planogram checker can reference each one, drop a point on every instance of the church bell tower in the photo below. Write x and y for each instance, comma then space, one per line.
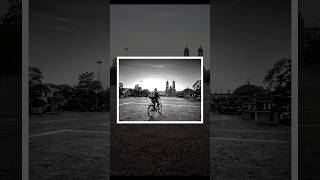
186, 51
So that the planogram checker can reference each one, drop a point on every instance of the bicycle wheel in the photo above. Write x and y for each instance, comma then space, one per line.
151, 111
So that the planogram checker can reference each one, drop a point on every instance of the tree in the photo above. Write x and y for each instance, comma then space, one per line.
187, 92
35, 75
121, 89
14, 16
278, 79
36, 88
145, 92
66, 90
85, 79
87, 91
197, 87
278, 82
137, 91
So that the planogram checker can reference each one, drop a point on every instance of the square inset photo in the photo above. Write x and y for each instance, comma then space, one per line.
160, 90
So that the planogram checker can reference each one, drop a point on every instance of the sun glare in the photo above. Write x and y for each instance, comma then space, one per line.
152, 83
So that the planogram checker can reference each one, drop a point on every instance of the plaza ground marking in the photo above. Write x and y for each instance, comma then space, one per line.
250, 140
235, 130
88, 131
61, 131
46, 133
63, 120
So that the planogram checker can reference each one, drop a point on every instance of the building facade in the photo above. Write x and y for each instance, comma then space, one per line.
171, 90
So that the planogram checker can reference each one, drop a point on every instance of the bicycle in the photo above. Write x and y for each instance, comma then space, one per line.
152, 109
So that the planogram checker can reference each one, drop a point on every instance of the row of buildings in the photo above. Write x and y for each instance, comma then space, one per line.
252, 102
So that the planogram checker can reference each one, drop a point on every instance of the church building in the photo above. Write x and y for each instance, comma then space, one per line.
171, 91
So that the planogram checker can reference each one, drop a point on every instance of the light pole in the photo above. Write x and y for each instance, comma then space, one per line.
99, 63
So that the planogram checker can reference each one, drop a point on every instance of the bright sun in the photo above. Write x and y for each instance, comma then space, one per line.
153, 83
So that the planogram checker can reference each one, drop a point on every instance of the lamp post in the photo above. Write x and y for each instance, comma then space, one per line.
99, 63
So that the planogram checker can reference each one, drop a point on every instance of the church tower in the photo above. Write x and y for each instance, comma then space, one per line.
186, 51
173, 88
167, 87
200, 51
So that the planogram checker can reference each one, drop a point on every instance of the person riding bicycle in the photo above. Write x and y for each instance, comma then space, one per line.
155, 98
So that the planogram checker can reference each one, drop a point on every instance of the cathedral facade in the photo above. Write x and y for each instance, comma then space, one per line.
171, 90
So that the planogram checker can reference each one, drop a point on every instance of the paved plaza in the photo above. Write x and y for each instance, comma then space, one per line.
76, 145
242, 149
69, 145
173, 109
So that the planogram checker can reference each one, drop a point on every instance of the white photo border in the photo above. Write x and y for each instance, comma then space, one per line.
159, 122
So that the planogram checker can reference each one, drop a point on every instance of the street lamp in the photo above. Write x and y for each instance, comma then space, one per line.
99, 63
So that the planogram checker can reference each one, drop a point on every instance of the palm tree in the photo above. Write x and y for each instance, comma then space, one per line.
86, 77
197, 88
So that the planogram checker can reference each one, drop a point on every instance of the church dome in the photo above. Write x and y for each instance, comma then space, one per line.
247, 90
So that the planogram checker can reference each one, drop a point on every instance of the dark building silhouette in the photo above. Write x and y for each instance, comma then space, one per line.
200, 51
167, 87
171, 91
186, 51
309, 45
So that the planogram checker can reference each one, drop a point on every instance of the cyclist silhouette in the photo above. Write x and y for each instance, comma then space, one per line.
155, 98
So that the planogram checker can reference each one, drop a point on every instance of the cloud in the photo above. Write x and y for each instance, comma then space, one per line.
53, 22
166, 14
158, 66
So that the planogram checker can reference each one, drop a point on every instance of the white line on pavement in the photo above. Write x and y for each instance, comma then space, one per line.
88, 131
46, 133
61, 131
62, 120
235, 130
131, 103
250, 140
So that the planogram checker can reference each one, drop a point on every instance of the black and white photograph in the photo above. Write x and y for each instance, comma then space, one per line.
160, 89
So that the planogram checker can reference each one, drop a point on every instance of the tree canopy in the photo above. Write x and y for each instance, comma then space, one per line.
278, 78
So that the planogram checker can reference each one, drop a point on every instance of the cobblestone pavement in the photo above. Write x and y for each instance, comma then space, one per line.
159, 149
173, 109
69, 145
242, 149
